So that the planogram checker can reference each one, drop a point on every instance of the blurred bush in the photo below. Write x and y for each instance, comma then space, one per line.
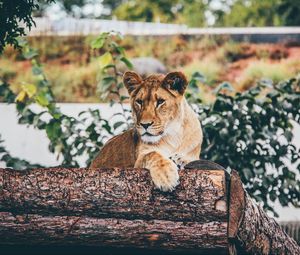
217, 57
252, 132
209, 67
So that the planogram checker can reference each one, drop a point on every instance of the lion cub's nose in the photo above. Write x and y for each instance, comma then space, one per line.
146, 125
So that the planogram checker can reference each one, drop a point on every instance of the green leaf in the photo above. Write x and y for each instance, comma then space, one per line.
30, 89
53, 130
118, 48
247, 173
267, 83
108, 66
42, 99
36, 70
30, 53
118, 124
288, 135
98, 43
127, 62
224, 85
105, 59
199, 77
22, 41
106, 83
21, 96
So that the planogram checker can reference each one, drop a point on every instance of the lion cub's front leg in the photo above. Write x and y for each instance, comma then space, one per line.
163, 171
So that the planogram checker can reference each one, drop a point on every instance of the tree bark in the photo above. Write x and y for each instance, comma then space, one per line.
114, 193
251, 229
208, 213
114, 208
151, 234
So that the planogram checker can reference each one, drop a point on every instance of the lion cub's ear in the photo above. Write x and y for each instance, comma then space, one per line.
175, 82
131, 81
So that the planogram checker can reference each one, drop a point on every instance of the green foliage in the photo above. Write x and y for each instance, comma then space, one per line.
110, 83
250, 131
209, 67
289, 11
257, 70
260, 13
72, 67
11, 13
69, 137
194, 13
146, 10
226, 13
190, 12
252, 13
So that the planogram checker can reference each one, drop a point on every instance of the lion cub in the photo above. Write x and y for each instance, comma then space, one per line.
166, 135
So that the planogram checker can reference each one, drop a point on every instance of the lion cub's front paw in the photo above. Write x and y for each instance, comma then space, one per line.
165, 176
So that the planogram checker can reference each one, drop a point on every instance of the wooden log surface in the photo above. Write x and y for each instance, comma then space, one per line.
252, 229
208, 213
114, 193
110, 232
114, 208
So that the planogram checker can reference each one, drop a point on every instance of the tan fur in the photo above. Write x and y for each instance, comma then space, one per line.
119, 151
175, 134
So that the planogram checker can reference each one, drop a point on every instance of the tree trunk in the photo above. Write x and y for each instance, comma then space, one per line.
75, 230
208, 213
113, 207
251, 228
114, 193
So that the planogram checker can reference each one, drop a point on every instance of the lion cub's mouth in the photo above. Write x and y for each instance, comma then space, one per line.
148, 134
151, 138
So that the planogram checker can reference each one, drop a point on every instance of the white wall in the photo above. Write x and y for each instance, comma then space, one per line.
30, 144
72, 26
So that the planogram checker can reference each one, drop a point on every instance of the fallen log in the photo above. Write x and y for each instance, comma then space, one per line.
76, 230
251, 228
208, 213
113, 193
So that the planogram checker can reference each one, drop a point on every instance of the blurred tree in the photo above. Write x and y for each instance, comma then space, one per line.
76, 8
289, 12
190, 12
12, 13
193, 12
112, 4
250, 13
146, 10
69, 4
259, 13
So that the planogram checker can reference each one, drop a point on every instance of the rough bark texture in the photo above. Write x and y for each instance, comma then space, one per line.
208, 213
114, 208
260, 234
74, 230
250, 227
113, 193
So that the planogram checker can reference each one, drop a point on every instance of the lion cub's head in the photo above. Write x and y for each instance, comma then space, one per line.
156, 103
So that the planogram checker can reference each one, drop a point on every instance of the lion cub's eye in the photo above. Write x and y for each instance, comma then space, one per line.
159, 102
139, 102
